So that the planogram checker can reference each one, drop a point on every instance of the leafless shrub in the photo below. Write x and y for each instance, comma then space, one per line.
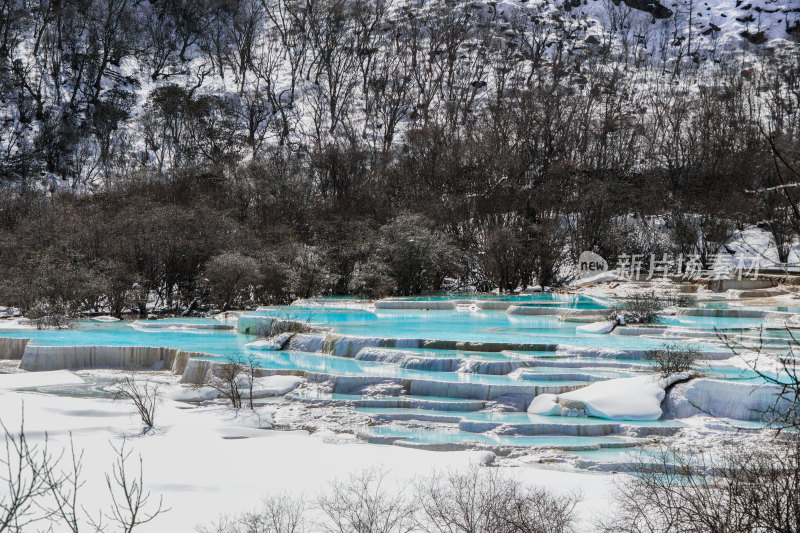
677, 300
145, 396
483, 500
743, 490
278, 514
235, 379
783, 372
673, 359
51, 322
23, 480
63, 485
227, 383
360, 504
38, 486
50, 315
132, 505
640, 309
479, 500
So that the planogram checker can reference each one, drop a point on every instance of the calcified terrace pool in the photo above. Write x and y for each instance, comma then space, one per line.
454, 356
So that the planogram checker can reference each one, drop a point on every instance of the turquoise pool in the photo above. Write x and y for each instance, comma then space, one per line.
83, 333
457, 399
476, 325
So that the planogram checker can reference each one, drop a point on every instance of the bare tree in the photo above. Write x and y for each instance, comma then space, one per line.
639, 309
482, 500
360, 504
23, 475
778, 369
63, 486
226, 382
40, 486
131, 503
145, 396
673, 358
235, 379
279, 513
244, 27
748, 490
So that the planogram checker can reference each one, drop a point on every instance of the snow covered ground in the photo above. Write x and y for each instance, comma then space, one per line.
211, 460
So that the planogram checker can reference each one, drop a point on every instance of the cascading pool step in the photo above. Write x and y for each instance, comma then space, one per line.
524, 424
568, 429
622, 460
612, 355
584, 373
560, 376
593, 363
443, 439
449, 385
426, 403
443, 353
494, 363
330, 364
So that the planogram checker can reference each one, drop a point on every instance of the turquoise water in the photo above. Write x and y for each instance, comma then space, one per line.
551, 369
467, 325
217, 342
463, 354
331, 364
725, 305
317, 395
711, 322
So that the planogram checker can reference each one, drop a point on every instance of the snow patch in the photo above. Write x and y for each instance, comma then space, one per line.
636, 398
724, 399
602, 327
104, 318
271, 344
275, 385
29, 380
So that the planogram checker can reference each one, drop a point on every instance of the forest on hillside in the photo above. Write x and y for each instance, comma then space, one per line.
202, 154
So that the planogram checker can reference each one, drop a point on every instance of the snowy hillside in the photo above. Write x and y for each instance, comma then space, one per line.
321, 141
301, 74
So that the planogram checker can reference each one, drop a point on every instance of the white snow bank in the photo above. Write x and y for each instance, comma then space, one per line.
160, 325
636, 398
27, 380
8, 312
545, 404
270, 344
604, 326
724, 399
275, 385
191, 394
104, 318
16, 323
263, 387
